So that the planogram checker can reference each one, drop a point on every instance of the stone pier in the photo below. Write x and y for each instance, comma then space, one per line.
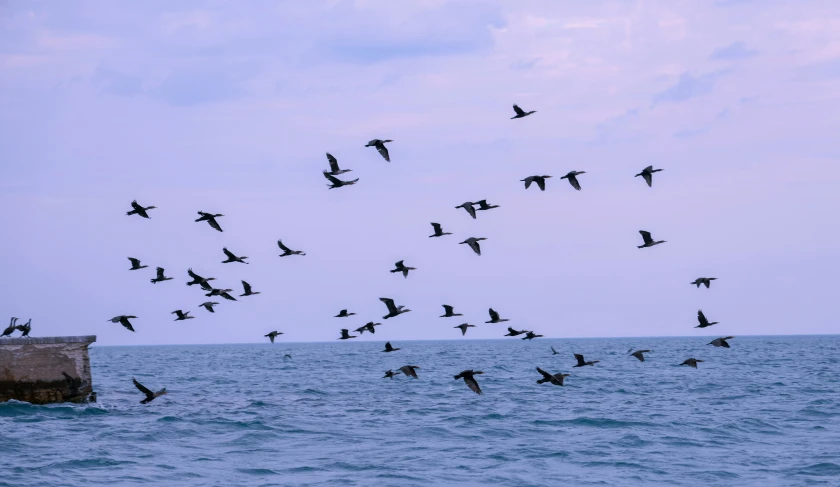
31, 369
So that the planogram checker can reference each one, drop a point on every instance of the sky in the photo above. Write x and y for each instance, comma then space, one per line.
230, 107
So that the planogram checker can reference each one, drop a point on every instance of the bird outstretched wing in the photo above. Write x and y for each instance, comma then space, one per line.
518, 110
142, 388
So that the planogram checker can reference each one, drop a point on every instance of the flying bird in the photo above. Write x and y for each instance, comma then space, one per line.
337, 183
201, 281
409, 370
400, 267
438, 231
718, 342
225, 293
449, 312
512, 333
473, 243
123, 320
463, 327
10, 329
389, 348
139, 210
287, 251
160, 277
343, 314
389, 374
647, 174
248, 291
210, 218
691, 362
572, 177
469, 379
648, 240
334, 170
706, 281
27, 327
540, 180
530, 336
369, 326
703, 321
520, 112
380, 146
271, 336
150, 396
393, 310
182, 315
494, 317
209, 305
639, 354
345, 334
581, 362
233, 258
556, 379
482, 205
467, 205
135, 264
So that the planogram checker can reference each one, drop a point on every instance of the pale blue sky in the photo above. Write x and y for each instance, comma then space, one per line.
229, 107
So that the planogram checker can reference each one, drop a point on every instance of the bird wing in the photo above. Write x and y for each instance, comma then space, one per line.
384, 151
390, 304
142, 388
213, 223
552, 349
194, 275
647, 177
399, 265
544, 373
388, 346
646, 236
332, 179
283, 247
528, 182
333, 162
437, 228
702, 318
707, 283
470, 210
574, 182
638, 355
228, 253
247, 287
493, 314
541, 184
135, 205
160, 273
474, 245
134, 262
580, 360
472, 384
648, 169
518, 110
448, 309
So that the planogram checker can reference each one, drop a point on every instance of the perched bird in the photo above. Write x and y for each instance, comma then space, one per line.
494, 317
201, 281
123, 320
520, 112
345, 334
209, 305
393, 310
233, 258
706, 281
648, 241
556, 379
380, 146
703, 321
343, 314
248, 291
225, 293
581, 362
553, 351
572, 177
473, 243
408, 370
287, 251
438, 231
530, 336
334, 170
389, 374
647, 174
150, 396
463, 327
540, 180
139, 210
692, 362
182, 315
210, 218
337, 183
469, 379
135, 264
718, 342
467, 205
400, 267
482, 205
389, 348
369, 326
27, 327
10, 329
449, 312
639, 354
512, 333
271, 336
160, 277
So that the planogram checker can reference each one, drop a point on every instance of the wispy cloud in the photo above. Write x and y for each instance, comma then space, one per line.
688, 87
734, 51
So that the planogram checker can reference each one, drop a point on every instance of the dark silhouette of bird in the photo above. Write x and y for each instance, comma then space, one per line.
73, 385
530, 335
393, 310
210, 218
287, 251
182, 315
139, 210
703, 321
345, 334
581, 362
150, 396
287, 356
449, 311
438, 231
409, 370
469, 379
512, 333
123, 320
494, 317
482, 205
337, 183
718, 342
647, 174
467, 205
553, 351
380, 146
160, 277
343, 314
691, 362
572, 177
233, 258
389, 348
389, 374
135, 264
369, 326
706, 281
639, 354
209, 305
271, 336
540, 180
201, 281
473, 243
225, 293
247, 288
27, 327
11, 328
334, 170
400, 267
463, 327
648, 241
520, 112
556, 379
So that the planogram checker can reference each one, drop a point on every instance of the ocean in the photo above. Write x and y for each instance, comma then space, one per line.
765, 412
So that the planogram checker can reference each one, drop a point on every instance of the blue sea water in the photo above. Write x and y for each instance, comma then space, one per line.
765, 412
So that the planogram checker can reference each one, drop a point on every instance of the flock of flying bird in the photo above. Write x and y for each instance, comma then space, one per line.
394, 310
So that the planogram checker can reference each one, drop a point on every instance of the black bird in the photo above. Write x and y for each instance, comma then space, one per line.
139, 210
150, 396
210, 218
389, 348
581, 362
706, 281
248, 291
10, 329
343, 314
73, 384
494, 317
287, 251
400, 267
135, 264
345, 334
467, 205
389, 374
639, 354
556, 379
393, 310
287, 356
691, 362
473, 243
27, 327
463, 327
572, 177
201, 281
647, 174
337, 183
408, 370
209, 305
512, 333
380, 146
469, 379
182, 315
449, 311
703, 321
225, 293
482, 205
540, 180
530, 336
232, 258
160, 277
271, 336
520, 112
718, 342
123, 320
554, 352
648, 241
438, 231
369, 326
334, 170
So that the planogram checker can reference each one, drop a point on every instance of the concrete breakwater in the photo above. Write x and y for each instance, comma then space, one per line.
43, 370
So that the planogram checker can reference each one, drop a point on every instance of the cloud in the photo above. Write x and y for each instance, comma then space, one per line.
734, 51
705, 128
688, 87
